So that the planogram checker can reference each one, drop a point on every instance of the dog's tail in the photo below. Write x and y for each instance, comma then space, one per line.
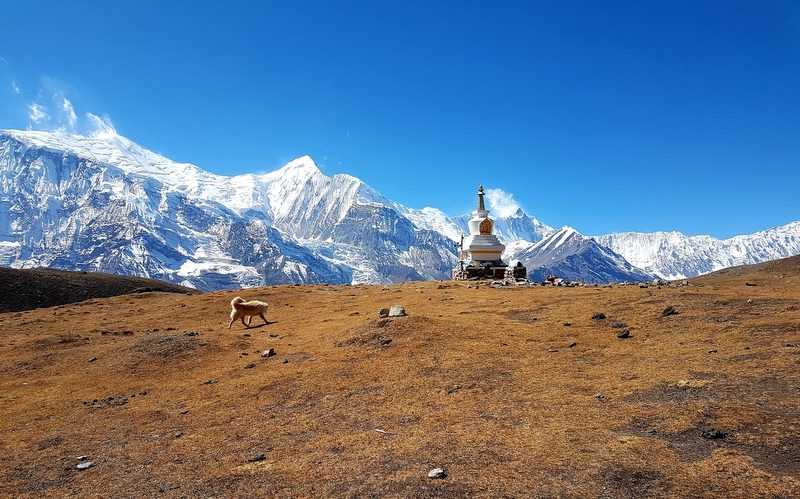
236, 300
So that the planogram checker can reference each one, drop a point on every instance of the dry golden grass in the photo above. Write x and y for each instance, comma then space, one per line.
480, 381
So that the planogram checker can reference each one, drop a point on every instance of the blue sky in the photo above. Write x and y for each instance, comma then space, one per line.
607, 116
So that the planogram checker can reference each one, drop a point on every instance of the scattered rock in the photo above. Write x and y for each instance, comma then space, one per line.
714, 434
268, 352
273, 335
184, 411
712, 351
249, 366
452, 389
85, 465
750, 284
749, 300
285, 361
209, 382
568, 324
437, 473
573, 344
669, 311
552, 350
618, 325
625, 333
190, 333
397, 311
92, 359
384, 312
83, 458
598, 316
256, 458
599, 396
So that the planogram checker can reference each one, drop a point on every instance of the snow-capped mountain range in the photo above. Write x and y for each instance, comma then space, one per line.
102, 202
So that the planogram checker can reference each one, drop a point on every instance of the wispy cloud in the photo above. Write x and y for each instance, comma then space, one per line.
37, 113
68, 111
501, 203
100, 127
51, 105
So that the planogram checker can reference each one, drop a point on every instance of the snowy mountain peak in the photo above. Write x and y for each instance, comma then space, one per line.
304, 166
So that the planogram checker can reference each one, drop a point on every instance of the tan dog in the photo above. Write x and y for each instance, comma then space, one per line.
241, 309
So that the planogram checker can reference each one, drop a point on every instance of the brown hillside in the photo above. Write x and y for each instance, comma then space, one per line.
26, 289
491, 384
785, 268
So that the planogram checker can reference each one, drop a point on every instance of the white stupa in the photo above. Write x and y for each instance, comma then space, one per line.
481, 254
481, 246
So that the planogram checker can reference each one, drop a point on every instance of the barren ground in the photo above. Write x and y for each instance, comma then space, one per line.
480, 381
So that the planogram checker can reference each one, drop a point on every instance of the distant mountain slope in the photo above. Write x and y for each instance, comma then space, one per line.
37, 288
673, 255
571, 256
519, 226
105, 203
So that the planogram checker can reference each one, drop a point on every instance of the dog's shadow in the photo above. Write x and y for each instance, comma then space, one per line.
262, 325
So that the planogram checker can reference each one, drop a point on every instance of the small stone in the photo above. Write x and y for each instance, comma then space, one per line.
712, 351
92, 359
573, 344
599, 396
397, 311
268, 352
184, 411
625, 333
437, 473
598, 316
190, 333
83, 458
618, 325
669, 311
209, 381
750, 284
249, 366
749, 300
714, 434
285, 361
273, 335
453, 388
256, 458
85, 465
384, 312
552, 350
567, 324
246, 335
